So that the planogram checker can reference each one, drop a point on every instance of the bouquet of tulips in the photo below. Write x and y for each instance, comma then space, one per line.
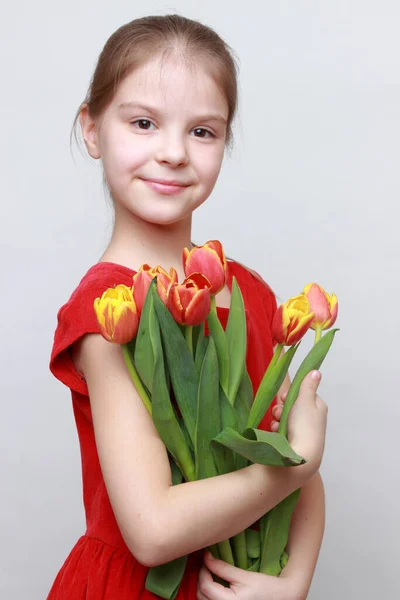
197, 389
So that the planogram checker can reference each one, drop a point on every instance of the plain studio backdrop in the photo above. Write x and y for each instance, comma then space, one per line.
310, 193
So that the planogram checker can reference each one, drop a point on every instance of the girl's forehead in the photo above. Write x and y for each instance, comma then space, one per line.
172, 80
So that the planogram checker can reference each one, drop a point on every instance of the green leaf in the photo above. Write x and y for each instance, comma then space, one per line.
263, 447
313, 360
284, 559
236, 337
276, 534
181, 367
253, 543
225, 459
195, 334
255, 566
208, 414
165, 420
221, 344
269, 387
143, 353
244, 400
176, 474
201, 347
164, 580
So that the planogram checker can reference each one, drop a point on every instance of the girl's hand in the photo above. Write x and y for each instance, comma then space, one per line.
244, 585
277, 411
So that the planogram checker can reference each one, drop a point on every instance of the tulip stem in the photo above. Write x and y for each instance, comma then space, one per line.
276, 356
135, 377
189, 337
225, 552
318, 333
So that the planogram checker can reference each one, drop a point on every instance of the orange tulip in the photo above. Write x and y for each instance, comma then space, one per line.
189, 302
210, 261
143, 278
292, 320
324, 307
117, 314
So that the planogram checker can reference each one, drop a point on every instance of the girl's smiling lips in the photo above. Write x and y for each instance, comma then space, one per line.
166, 186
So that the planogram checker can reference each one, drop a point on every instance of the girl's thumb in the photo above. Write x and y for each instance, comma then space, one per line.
310, 384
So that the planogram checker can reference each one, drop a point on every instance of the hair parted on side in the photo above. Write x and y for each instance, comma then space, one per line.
140, 40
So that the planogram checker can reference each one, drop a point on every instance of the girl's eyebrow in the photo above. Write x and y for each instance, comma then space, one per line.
143, 107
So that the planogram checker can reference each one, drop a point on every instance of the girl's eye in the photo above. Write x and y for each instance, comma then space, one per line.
143, 124
201, 130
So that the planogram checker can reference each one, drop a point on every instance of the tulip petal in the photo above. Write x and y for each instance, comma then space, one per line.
199, 308
319, 304
126, 322
174, 304
334, 312
206, 261
299, 327
199, 279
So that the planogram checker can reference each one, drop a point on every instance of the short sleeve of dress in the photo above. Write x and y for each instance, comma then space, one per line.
77, 317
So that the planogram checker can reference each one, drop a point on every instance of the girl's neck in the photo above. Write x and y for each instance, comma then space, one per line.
135, 242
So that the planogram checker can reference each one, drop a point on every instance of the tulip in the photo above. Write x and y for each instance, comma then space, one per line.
143, 278
210, 261
117, 314
324, 307
292, 320
189, 302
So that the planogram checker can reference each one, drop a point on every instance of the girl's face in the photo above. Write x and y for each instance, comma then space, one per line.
166, 124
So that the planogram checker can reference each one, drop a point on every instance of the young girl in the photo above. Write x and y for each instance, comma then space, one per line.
158, 114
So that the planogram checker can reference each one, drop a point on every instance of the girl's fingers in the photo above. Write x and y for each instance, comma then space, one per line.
277, 411
208, 589
274, 426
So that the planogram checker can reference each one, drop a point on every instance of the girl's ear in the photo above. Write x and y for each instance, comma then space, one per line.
89, 132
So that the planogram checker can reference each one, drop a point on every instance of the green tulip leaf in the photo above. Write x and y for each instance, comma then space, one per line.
166, 423
201, 347
181, 367
208, 414
269, 387
255, 566
236, 336
218, 333
164, 580
143, 353
224, 458
258, 446
313, 360
244, 400
253, 543
284, 559
275, 534
176, 474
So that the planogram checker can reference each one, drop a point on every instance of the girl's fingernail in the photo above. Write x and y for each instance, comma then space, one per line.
316, 375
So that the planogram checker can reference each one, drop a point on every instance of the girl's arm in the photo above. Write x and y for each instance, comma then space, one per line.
158, 521
305, 535
307, 524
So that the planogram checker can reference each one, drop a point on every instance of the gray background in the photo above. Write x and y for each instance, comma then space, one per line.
310, 193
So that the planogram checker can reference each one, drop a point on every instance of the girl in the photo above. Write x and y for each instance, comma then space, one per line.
159, 114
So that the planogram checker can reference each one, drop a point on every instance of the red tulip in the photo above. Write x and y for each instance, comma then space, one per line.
143, 278
324, 307
189, 302
292, 320
210, 261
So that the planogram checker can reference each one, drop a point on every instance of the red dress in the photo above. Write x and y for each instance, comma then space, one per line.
100, 566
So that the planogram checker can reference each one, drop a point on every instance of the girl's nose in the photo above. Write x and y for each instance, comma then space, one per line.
172, 150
